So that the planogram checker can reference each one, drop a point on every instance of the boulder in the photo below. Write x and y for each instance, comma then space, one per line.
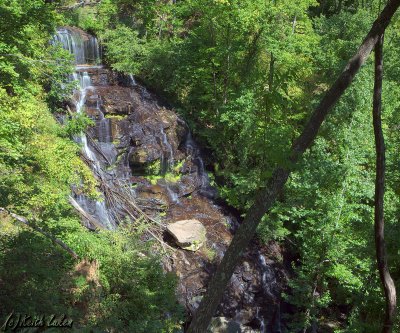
188, 234
145, 159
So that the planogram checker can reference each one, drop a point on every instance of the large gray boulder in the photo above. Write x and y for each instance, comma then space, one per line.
188, 234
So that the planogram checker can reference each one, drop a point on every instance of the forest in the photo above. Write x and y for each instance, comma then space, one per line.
199, 166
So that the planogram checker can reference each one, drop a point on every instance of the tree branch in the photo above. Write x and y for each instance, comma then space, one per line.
40, 230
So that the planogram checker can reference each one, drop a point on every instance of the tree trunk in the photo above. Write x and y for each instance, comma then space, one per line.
248, 60
271, 73
386, 279
266, 197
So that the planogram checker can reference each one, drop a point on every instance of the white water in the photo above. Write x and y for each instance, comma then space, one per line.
104, 127
100, 210
86, 52
173, 196
169, 159
133, 81
268, 278
194, 152
262, 321
268, 282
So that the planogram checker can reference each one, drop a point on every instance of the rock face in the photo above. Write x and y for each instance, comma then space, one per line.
188, 234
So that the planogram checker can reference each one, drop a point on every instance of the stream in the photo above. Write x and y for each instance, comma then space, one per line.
134, 133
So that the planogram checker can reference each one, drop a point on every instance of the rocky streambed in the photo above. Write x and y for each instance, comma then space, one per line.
146, 160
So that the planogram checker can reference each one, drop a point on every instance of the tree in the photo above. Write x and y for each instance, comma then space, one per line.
386, 279
267, 196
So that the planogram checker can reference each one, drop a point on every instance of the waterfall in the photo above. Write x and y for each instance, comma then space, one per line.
174, 196
85, 49
268, 279
86, 52
194, 152
110, 145
268, 283
261, 320
167, 161
104, 126
133, 81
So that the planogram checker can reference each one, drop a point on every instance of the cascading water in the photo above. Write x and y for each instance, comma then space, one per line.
85, 52
168, 156
132, 80
261, 320
193, 151
104, 128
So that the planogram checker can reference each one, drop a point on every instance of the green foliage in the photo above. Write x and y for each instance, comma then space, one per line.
32, 273
25, 28
131, 293
125, 50
246, 75
128, 290
31, 151
272, 227
141, 297
77, 123
154, 168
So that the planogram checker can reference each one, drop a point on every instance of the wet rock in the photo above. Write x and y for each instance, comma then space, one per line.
188, 234
143, 159
153, 196
224, 325
245, 316
118, 128
116, 100
195, 302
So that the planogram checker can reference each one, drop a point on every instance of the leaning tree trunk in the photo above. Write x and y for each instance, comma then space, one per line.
266, 197
386, 279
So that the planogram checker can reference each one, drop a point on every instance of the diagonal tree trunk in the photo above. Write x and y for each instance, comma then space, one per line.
266, 197
386, 279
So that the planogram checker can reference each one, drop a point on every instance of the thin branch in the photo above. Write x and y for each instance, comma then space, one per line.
99, 150
40, 230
